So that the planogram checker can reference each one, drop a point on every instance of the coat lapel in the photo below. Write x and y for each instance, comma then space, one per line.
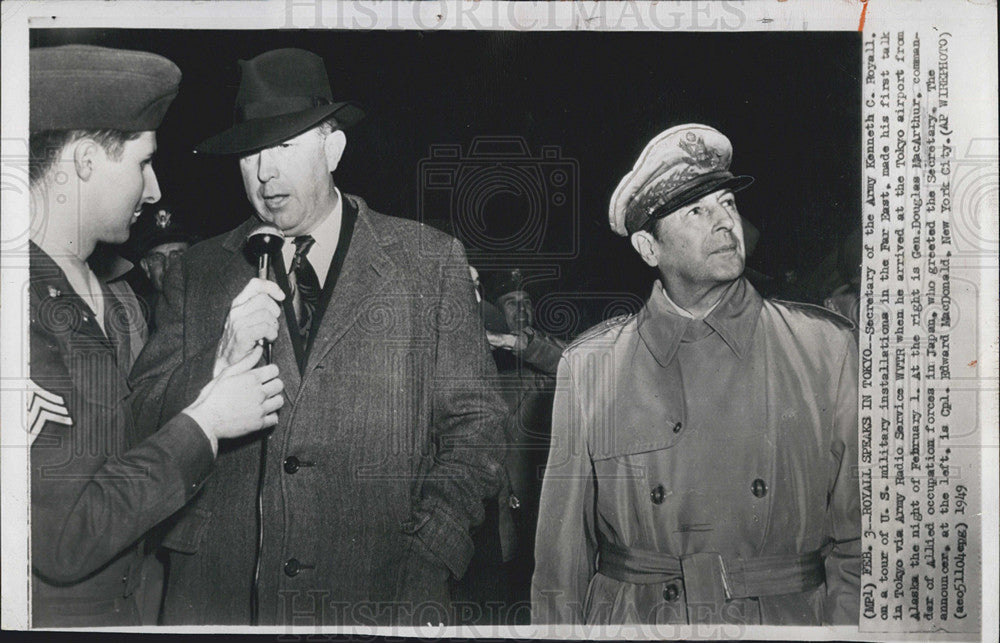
367, 268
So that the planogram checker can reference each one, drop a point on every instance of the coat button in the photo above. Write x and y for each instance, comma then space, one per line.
671, 592
678, 427
292, 567
759, 488
291, 464
657, 494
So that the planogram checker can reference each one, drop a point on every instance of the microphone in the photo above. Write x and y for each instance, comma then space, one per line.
261, 244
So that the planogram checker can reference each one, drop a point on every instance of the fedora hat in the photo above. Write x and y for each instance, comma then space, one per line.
282, 93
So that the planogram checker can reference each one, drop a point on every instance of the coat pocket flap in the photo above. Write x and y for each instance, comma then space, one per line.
631, 443
186, 533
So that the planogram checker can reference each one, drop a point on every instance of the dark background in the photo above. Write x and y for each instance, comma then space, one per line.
790, 103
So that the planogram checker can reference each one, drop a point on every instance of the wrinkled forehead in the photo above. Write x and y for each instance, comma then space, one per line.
167, 248
515, 297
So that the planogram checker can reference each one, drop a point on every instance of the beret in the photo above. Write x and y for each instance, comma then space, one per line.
88, 87
677, 167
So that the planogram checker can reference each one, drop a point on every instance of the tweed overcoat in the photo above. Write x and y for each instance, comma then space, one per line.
98, 482
389, 440
724, 440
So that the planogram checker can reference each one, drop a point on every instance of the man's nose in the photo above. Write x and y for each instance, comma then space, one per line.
150, 187
722, 218
266, 168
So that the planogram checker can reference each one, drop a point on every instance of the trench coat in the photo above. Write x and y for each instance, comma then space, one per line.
704, 470
388, 442
98, 482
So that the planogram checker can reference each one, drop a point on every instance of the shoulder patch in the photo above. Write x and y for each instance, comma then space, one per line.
818, 312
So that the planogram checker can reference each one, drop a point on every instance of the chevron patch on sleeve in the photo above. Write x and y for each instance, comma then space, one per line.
45, 406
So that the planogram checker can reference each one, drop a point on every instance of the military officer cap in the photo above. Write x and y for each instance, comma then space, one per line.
157, 226
88, 87
678, 167
504, 283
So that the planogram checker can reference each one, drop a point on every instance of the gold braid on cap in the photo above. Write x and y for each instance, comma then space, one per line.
700, 166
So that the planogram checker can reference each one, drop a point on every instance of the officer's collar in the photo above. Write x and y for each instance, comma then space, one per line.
734, 319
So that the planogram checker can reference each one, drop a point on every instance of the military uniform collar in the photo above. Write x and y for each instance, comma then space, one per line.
111, 268
734, 319
48, 282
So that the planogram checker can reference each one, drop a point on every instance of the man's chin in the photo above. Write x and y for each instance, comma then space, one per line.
730, 272
276, 219
119, 238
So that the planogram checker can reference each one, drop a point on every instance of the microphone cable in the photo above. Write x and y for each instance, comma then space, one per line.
255, 587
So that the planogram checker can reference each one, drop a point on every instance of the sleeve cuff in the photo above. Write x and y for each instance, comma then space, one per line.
443, 536
187, 381
191, 450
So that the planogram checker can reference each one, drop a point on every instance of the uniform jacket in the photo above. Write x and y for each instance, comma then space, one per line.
97, 482
389, 440
733, 437
527, 382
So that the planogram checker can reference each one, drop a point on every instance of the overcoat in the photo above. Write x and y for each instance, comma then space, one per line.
98, 482
389, 440
704, 470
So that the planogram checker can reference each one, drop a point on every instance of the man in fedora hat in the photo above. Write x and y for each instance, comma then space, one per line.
379, 467
703, 465
98, 481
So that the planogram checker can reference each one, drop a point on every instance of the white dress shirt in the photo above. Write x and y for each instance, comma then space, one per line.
326, 234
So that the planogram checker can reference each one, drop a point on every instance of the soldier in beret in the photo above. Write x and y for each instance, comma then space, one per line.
357, 508
99, 482
703, 466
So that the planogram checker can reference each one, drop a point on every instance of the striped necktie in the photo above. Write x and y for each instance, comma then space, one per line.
306, 284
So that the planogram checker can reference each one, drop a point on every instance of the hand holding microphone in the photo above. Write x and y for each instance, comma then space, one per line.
253, 314
240, 400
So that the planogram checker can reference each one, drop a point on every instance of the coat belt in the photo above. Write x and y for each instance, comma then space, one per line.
740, 578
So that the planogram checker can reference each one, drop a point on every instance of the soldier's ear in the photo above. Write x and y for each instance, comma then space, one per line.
85, 156
144, 263
646, 246
333, 148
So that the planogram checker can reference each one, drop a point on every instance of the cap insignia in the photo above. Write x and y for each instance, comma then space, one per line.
700, 155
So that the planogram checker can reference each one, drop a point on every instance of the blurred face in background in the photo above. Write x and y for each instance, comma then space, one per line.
517, 310
161, 257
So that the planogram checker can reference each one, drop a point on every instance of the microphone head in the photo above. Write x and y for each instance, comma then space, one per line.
263, 240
